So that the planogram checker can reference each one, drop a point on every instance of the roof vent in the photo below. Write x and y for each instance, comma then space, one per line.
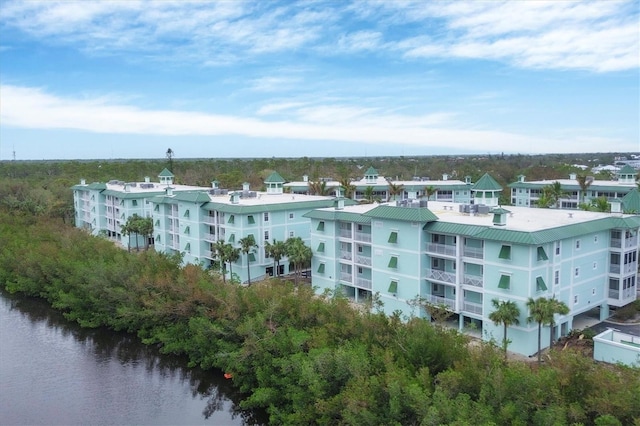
570, 215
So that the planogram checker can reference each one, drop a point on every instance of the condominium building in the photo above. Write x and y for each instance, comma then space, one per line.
527, 193
464, 256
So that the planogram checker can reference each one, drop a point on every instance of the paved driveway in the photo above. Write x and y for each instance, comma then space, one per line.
633, 329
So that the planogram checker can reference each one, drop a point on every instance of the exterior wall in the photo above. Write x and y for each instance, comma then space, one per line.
615, 347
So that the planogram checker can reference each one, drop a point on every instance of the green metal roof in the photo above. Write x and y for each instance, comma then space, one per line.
535, 237
192, 196
338, 215
486, 183
165, 173
274, 178
500, 210
627, 170
371, 171
406, 214
631, 201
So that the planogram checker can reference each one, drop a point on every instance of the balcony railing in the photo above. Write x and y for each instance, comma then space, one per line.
475, 252
346, 255
447, 277
630, 242
630, 267
446, 249
438, 300
474, 308
363, 282
209, 254
614, 268
210, 220
345, 233
363, 260
346, 277
614, 294
362, 236
616, 242
474, 280
629, 292
209, 237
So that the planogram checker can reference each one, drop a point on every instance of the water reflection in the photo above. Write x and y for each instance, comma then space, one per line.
123, 368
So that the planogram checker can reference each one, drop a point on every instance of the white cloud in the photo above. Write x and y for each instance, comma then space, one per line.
32, 108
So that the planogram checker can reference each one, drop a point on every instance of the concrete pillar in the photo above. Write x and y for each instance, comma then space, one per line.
604, 311
460, 322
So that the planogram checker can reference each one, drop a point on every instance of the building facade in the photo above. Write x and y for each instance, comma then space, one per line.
462, 260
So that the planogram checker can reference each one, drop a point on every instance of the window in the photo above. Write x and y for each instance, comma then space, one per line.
290, 215
505, 252
186, 213
556, 277
393, 287
320, 226
453, 265
540, 284
266, 216
252, 257
266, 235
393, 237
542, 255
134, 203
360, 249
158, 238
251, 219
232, 238
292, 234
187, 230
393, 262
505, 282
575, 299
576, 273
187, 248
232, 219
435, 263
157, 222
577, 244
320, 248
321, 268
557, 250
156, 208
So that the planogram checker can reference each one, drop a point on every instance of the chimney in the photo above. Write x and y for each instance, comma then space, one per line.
521, 178
305, 178
467, 180
147, 179
214, 184
572, 176
245, 186
83, 182
500, 216
445, 176
339, 203
127, 187
169, 191
235, 198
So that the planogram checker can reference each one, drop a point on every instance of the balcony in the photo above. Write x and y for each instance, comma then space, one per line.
363, 260
446, 249
346, 277
474, 252
209, 237
210, 220
346, 255
435, 274
208, 254
614, 294
364, 237
345, 233
363, 282
474, 280
474, 308
614, 268
439, 300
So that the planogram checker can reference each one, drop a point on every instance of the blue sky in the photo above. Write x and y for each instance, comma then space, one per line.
130, 79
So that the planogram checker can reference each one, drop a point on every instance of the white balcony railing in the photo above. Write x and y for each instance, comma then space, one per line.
614, 268
210, 220
475, 252
363, 260
448, 250
208, 254
346, 255
474, 308
614, 294
439, 300
345, 233
209, 237
630, 267
346, 277
474, 280
363, 282
362, 236
616, 242
447, 277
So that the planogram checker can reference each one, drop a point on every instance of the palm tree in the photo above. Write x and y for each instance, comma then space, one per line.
349, 189
231, 255
429, 191
368, 194
538, 312
507, 314
247, 245
277, 251
394, 190
318, 188
554, 192
299, 254
219, 248
601, 204
554, 306
584, 183
146, 230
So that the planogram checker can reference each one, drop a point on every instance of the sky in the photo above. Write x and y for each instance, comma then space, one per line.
221, 79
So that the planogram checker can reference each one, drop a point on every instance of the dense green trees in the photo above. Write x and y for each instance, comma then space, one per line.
303, 358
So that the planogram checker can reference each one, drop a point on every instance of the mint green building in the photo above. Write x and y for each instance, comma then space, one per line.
527, 194
463, 256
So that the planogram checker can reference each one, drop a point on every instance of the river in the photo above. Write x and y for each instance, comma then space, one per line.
52, 372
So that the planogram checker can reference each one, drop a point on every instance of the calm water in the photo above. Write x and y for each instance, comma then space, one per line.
54, 373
